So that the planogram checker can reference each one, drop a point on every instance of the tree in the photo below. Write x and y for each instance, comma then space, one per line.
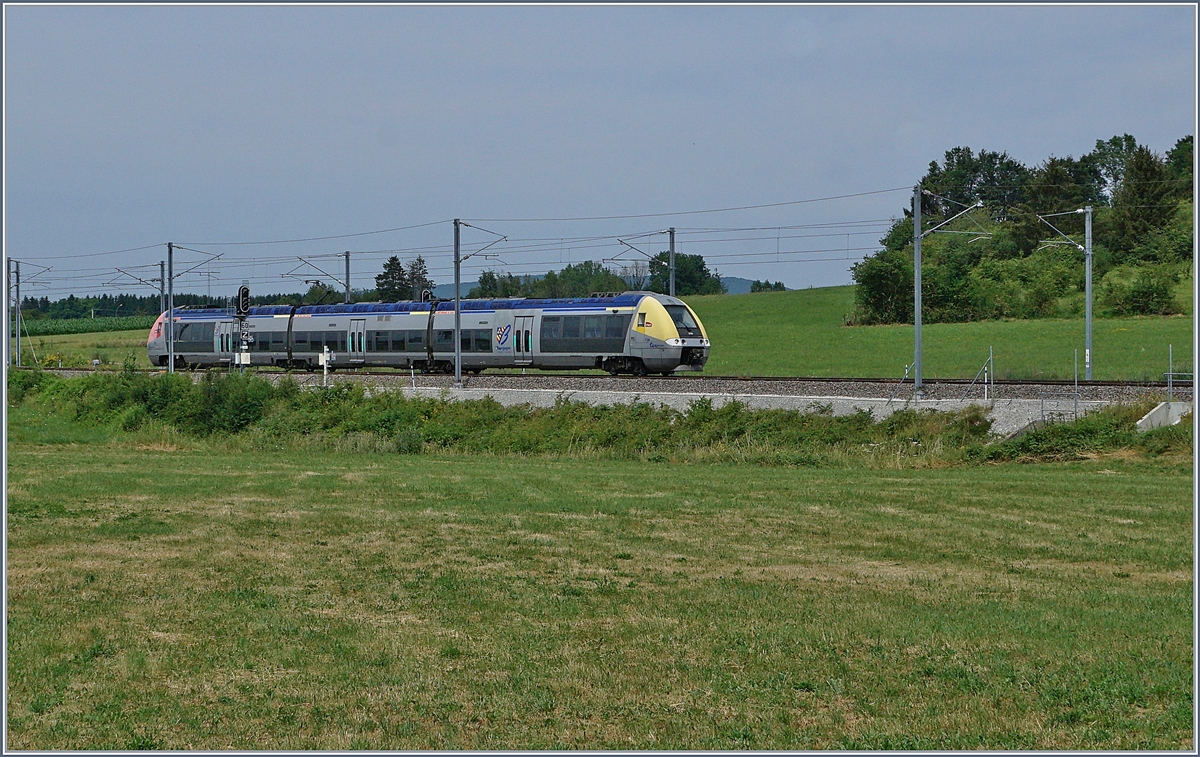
691, 275
767, 286
393, 284
1057, 185
418, 277
1143, 203
964, 178
885, 287
1179, 164
636, 275
1110, 157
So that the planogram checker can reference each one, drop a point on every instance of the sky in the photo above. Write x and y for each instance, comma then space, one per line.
217, 126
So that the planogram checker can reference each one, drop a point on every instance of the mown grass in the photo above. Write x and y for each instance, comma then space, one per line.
169, 592
181, 587
800, 333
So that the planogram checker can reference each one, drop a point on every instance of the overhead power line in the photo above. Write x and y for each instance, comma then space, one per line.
691, 212
319, 239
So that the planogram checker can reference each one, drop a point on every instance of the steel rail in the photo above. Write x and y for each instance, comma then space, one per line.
492, 373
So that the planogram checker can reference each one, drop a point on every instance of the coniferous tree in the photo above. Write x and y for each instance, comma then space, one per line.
393, 284
1143, 203
418, 277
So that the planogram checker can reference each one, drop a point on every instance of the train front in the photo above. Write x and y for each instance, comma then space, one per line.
674, 335
156, 342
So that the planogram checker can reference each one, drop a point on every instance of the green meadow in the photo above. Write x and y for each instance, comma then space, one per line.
171, 591
800, 333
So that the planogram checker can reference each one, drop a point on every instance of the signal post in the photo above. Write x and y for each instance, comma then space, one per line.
242, 358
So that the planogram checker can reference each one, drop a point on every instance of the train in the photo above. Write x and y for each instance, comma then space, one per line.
637, 333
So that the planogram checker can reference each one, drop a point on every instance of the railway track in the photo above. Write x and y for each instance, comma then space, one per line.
840, 386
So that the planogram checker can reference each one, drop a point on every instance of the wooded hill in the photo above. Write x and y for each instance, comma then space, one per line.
1004, 261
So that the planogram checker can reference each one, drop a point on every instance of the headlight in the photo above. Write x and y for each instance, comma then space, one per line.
675, 342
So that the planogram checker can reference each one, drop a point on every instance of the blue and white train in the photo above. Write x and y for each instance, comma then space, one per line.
633, 332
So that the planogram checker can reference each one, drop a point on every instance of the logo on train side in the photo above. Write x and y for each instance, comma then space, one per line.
502, 334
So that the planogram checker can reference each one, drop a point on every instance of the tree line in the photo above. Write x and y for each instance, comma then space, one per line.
400, 280
1003, 261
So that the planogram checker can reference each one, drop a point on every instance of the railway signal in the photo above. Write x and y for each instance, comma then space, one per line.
243, 301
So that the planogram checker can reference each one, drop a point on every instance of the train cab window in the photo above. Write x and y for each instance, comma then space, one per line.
641, 320
551, 327
683, 320
483, 340
571, 327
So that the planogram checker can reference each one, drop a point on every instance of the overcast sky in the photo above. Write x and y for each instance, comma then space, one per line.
133, 126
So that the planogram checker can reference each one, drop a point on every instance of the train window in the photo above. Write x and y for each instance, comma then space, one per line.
483, 340
331, 341
551, 327
300, 341
593, 327
397, 341
416, 341
464, 337
683, 320
571, 327
444, 340
615, 326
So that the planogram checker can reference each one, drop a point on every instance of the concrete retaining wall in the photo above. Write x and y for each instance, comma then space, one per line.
1165, 414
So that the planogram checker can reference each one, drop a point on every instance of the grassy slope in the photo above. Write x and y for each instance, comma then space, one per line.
807, 338
182, 594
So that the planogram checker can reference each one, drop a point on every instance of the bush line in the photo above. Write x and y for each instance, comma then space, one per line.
345, 416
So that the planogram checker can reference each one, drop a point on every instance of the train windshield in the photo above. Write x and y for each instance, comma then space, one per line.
683, 320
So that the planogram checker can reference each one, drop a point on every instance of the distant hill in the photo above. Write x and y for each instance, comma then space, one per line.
736, 285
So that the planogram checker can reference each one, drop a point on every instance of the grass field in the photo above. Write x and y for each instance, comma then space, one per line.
168, 592
79, 350
804, 336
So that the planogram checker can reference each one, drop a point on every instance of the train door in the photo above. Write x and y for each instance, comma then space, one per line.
224, 339
523, 339
357, 345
